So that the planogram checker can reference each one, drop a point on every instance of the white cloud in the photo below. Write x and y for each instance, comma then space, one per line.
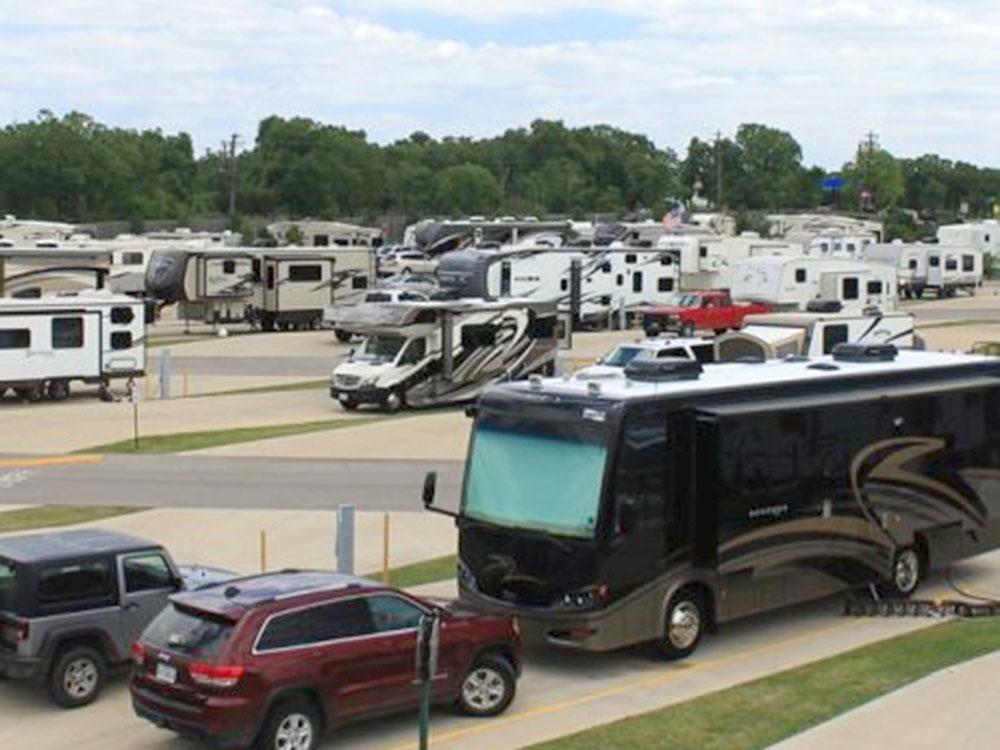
921, 73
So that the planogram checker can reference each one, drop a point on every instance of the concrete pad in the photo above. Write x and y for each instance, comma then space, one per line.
294, 539
955, 708
68, 426
436, 436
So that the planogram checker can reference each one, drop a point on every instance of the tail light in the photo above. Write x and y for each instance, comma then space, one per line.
16, 630
515, 627
138, 654
215, 675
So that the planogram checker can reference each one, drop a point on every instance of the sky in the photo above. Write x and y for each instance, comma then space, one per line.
922, 75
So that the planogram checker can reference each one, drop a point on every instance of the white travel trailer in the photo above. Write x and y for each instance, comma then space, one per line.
16, 232
777, 335
33, 271
707, 261
609, 276
792, 283
50, 341
954, 268
272, 287
785, 225
313, 233
909, 260
834, 244
982, 235
432, 353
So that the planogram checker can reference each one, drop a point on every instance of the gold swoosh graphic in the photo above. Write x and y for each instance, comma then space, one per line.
841, 525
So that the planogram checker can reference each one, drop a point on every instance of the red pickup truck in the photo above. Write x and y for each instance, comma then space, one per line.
709, 309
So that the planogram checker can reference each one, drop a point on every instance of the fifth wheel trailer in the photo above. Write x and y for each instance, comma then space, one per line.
648, 508
50, 341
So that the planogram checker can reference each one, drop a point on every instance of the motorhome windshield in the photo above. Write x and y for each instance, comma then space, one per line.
621, 356
535, 476
380, 349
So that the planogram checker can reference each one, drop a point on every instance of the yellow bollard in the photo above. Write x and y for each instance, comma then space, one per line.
263, 551
385, 549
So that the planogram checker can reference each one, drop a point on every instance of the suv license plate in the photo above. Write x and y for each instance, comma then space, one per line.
166, 673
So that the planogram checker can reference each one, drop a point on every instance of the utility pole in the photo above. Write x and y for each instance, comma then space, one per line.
869, 145
718, 170
229, 149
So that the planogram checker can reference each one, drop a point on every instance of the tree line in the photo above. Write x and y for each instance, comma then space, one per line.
73, 168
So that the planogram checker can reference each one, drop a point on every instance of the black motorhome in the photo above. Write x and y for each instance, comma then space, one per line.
649, 508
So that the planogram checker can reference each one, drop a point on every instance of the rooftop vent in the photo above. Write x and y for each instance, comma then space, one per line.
824, 306
864, 352
663, 370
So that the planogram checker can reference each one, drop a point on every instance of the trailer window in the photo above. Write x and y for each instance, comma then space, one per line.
637, 281
666, 260
619, 280
851, 288
131, 259
913, 264
606, 267
800, 276
833, 335
359, 282
321, 240
630, 258
121, 340
67, 333
951, 264
934, 261
543, 327
15, 338
229, 267
703, 251
968, 263
665, 285
122, 315
874, 287
476, 336
305, 273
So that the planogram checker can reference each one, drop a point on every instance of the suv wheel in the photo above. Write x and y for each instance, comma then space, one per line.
488, 687
292, 725
77, 677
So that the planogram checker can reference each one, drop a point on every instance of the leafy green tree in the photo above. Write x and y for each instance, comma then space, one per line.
468, 189
771, 161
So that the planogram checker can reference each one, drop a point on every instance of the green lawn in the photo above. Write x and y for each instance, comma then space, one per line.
417, 574
192, 441
759, 713
45, 516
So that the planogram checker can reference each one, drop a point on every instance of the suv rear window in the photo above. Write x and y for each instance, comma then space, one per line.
188, 632
8, 586
319, 624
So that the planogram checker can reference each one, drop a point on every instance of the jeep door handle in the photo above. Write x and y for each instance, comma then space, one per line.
130, 605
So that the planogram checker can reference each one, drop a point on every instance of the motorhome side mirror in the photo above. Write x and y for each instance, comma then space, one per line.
430, 486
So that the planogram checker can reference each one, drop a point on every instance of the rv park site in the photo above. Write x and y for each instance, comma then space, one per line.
228, 450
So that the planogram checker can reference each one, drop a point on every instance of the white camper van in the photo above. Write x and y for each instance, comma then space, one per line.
777, 335
792, 283
50, 341
432, 353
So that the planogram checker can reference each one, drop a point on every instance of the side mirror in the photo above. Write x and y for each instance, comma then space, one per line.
628, 515
430, 487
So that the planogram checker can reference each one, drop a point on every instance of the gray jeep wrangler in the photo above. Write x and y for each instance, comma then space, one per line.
73, 602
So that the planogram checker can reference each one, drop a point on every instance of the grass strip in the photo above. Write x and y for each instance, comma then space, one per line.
47, 516
759, 713
417, 574
305, 385
193, 441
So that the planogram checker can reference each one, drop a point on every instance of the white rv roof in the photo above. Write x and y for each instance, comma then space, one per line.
804, 319
69, 299
726, 376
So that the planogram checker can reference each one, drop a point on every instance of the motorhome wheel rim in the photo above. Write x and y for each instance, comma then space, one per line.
80, 678
484, 689
685, 625
294, 733
907, 571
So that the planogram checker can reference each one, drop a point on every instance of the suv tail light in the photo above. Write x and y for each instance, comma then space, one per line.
138, 654
214, 675
15, 630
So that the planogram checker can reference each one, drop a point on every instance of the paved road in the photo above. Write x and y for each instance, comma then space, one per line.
224, 482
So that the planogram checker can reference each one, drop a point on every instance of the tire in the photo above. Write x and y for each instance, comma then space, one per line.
488, 688
343, 336
77, 676
349, 405
30, 394
908, 569
684, 624
294, 724
58, 390
393, 402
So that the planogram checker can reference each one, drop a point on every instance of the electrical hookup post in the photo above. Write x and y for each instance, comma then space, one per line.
428, 642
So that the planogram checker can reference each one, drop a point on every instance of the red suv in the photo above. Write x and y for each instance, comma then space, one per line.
276, 659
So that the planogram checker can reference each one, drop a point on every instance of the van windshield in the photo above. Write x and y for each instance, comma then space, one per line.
380, 349
529, 476
188, 632
621, 356
8, 585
